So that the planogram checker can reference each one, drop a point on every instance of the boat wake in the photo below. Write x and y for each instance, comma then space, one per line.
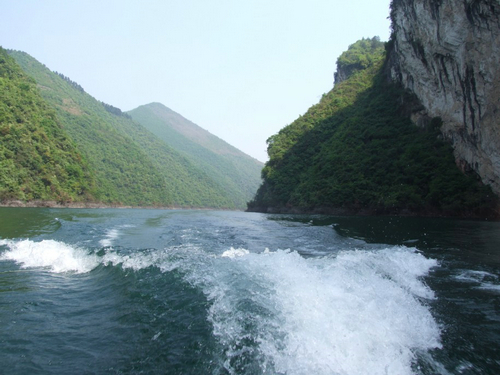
276, 312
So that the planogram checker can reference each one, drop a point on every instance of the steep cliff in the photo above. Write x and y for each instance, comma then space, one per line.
358, 152
447, 52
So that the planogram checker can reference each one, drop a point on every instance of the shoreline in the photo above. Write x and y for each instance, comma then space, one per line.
98, 205
493, 215
14, 203
54, 204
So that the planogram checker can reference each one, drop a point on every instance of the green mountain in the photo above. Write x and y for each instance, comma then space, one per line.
238, 173
131, 165
38, 161
357, 151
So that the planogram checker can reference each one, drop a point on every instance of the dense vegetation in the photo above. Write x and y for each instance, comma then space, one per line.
237, 173
358, 151
37, 159
130, 164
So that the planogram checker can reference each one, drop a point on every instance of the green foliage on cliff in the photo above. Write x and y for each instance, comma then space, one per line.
37, 158
237, 173
355, 150
130, 164
360, 55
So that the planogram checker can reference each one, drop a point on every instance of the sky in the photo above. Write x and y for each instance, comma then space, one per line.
240, 69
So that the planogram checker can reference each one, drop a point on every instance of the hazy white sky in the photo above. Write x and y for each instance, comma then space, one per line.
240, 69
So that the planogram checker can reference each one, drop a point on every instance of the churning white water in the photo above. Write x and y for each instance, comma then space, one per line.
333, 315
339, 314
49, 254
207, 292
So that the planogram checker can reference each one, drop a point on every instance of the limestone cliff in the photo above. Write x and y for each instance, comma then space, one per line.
447, 52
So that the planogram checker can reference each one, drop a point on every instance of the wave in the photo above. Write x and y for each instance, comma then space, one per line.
281, 313
112, 235
340, 315
52, 255
484, 280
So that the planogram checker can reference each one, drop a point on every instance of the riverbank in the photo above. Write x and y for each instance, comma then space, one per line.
55, 204
493, 213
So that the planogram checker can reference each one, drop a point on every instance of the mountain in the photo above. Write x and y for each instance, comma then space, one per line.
358, 152
447, 53
38, 160
238, 173
131, 165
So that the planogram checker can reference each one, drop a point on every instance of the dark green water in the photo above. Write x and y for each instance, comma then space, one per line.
203, 292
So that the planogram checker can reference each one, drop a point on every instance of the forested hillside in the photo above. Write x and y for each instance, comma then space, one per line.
131, 165
357, 151
238, 173
38, 161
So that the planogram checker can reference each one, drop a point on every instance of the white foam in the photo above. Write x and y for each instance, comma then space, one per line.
490, 287
60, 257
166, 260
113, 234
343, 315
109, 238
475, 276
136, 261
233, 253
486, 280
53, 255
348, 314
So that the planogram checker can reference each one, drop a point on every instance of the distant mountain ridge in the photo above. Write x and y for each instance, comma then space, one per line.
238, 172
189, 129
130, 165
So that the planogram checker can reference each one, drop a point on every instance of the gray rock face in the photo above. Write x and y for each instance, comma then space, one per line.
447, 52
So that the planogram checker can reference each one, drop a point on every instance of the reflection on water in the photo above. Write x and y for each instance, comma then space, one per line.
26, 222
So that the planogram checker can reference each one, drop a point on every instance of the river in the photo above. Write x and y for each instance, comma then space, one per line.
132, 291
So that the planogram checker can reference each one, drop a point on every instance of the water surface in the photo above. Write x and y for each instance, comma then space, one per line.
125, 291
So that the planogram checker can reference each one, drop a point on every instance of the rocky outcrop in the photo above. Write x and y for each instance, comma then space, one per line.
447, 52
